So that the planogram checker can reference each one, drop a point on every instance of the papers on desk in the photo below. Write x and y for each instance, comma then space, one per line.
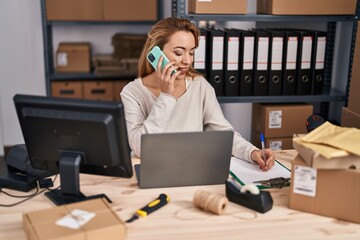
247, 173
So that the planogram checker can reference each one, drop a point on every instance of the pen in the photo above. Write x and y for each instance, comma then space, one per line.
162, 200
262, 139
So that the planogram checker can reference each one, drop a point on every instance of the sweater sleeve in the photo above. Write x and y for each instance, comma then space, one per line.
214, 120
137, 120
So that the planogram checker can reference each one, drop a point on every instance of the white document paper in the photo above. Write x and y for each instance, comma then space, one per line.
247, 173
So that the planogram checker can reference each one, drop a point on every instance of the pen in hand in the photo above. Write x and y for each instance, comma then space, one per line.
262, 139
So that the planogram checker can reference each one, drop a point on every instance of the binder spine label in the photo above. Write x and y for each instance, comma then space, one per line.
249, 43
306, 53
320, 53
199, 58
262, 54
233, 53
291, 53
218, 53
277, 52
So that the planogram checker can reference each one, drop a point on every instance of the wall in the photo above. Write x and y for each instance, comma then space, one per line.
21, 61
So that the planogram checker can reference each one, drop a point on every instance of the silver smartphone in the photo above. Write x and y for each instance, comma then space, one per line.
154, 56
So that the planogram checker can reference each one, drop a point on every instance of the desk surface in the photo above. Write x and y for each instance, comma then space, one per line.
181, 220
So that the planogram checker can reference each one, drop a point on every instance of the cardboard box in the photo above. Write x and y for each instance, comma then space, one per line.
70, 10
281, 143
307, 7
332, 193
134, 10
280, 120
105, 224
218, 6
118, 86
354, 96
350, 118
73, 57
316, 160
99, 90
67, 89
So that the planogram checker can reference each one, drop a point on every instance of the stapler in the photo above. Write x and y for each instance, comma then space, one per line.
261, 202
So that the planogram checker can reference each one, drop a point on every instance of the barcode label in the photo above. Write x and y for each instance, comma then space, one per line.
275, 119
305, 181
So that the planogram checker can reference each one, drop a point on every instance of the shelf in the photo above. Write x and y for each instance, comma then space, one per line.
87, 76
75, 23
269, 18
329, 95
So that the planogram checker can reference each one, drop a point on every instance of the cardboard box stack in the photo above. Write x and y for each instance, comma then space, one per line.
351, 115
91, 219
307, 7
278, 123
325, 180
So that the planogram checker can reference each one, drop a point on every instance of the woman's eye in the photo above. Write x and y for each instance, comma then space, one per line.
191, 53
178, 53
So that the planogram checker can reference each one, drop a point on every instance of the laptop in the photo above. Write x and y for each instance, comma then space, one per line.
184, 159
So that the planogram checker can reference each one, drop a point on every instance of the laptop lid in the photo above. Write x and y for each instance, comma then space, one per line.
184, 159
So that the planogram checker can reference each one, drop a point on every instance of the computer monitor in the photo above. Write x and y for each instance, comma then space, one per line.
69, 136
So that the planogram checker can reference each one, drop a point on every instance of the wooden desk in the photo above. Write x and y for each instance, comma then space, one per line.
180, 220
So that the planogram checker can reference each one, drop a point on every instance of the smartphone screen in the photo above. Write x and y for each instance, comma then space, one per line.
153, 58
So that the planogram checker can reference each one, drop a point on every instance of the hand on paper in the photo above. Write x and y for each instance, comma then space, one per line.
257, 156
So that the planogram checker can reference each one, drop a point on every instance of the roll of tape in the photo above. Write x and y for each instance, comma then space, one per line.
251, 188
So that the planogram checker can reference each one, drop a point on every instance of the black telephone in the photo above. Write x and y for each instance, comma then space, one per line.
20, 174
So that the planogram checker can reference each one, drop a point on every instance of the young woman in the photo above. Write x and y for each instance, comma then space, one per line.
159, 101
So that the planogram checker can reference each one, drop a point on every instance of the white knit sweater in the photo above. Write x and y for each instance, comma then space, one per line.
196, 110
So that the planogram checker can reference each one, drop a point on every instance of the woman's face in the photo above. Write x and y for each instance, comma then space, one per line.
180, 48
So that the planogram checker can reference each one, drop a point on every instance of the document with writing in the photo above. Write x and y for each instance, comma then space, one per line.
247, 173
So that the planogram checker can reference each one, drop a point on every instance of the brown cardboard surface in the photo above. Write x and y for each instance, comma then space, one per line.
337, 193
134, 10
354, 96
307, 7
67, 89
280, 143
73, 57
350, 118
315, 160
105, 225
99, 90
70, 10
218, 7
280, 120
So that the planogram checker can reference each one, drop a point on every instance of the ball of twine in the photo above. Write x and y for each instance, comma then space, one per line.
210, 202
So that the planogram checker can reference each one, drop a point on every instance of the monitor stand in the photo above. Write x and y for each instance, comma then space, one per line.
69, 191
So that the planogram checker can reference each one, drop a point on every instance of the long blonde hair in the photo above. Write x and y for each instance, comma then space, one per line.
159, 35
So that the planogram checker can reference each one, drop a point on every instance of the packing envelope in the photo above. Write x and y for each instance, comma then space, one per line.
343, 138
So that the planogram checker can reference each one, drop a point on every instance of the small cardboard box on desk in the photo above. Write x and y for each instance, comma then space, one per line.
91, 219
328, 187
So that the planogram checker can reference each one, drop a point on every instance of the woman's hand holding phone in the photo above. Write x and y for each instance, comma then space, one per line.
165, 70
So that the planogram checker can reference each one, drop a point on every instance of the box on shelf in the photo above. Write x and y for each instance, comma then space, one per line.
118, 86
103, 222
333, 193
278, 143
128, 45
73, 57
134, 10
70, 10
280, 120
67, 89
350, 118
316, 160
218, 6
99, 90
307, 7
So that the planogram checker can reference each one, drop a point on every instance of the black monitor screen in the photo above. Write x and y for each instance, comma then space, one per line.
59, 132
